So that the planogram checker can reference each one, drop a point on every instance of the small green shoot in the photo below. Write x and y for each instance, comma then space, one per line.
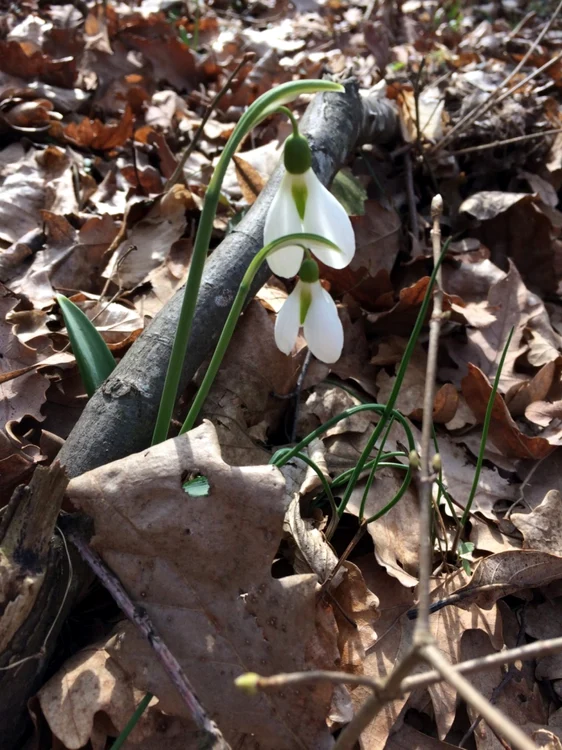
465, 553
93, 357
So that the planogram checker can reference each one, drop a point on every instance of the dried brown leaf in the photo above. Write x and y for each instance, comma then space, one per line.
201, 569
250, 181
542, 528
396, 533
93, 698
507, 573
503, 432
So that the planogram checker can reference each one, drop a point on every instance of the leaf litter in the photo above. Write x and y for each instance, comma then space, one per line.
97, 103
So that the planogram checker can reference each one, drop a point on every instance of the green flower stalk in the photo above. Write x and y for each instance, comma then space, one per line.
265, 105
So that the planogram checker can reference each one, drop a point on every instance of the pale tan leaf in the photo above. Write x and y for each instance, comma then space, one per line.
201, 569
508, 573
396, 533
542, 528
91, 694
250, 181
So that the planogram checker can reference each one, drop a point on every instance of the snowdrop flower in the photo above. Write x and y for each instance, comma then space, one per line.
303, 204
309, 305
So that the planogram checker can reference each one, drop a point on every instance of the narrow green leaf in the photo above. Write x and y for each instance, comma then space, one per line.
93, 357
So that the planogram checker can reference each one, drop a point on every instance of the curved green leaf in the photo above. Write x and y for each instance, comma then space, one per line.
93, 357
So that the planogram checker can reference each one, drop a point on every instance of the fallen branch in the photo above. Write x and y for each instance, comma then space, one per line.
119, 419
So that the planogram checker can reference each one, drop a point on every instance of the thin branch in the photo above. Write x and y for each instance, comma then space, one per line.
530, 651
427, 472
505, 142
497, 721
178, 171
139, 617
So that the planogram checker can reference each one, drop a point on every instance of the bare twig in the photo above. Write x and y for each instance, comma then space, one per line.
530, 651
139, 617
178, 171
505, 142
497, 721
427, 472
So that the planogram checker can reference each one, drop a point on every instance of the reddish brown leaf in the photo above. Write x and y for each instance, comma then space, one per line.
96, 135
504, 433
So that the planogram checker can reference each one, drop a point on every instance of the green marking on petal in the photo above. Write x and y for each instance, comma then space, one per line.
299, 191
306, 300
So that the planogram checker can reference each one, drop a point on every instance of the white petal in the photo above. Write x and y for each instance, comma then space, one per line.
323, 330
288, 321
326, 216
282, 219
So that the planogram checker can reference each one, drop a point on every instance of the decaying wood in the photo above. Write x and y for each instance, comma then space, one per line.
34, 594
119, 418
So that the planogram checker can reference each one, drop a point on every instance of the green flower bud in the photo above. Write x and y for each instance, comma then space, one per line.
309, 271
297, 155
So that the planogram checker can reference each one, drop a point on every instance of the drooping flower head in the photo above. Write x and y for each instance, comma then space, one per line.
303, 204
309, 305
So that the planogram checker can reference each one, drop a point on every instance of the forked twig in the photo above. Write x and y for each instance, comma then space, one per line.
497, 721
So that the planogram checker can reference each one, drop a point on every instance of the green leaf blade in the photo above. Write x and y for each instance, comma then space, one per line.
93, 357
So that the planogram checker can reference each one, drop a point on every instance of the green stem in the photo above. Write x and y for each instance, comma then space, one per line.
325, 484
484, 438
287, 112
140, 709
234, 314
397, 384
371, 477
259, 110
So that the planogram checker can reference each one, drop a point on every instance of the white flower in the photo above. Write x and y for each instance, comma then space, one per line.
310, 306
303, 205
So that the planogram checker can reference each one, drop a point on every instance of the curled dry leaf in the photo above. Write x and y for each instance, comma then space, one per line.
201, 568
542, 528
70, 258
312, 553
519, 698
394, 633
521, 396
503, 432
357, 604
411, 393
508, 573
97, 135
26, 394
